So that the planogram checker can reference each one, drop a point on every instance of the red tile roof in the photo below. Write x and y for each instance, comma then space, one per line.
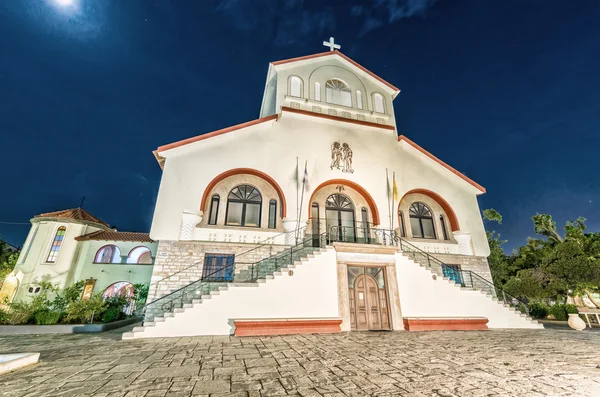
336, 52
74, 213
113, 235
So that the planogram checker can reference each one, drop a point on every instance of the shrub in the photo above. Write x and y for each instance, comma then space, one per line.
112, 314
538, 310
87, 310
571, 309
559, 312
19, 313
46, 318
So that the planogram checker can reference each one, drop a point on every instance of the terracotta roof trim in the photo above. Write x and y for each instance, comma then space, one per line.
112, 235
437, 160
214, 133
78, 214
336, 52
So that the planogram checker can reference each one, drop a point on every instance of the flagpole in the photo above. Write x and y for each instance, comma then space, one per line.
297, 189
301, 200
393, 200
387, 181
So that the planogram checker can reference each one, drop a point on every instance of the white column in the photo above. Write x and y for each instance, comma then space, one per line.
465, 247
189, 220
294, 231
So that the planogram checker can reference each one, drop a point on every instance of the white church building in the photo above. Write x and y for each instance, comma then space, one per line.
318, 217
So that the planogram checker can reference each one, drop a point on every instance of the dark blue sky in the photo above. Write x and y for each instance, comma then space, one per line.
505, 91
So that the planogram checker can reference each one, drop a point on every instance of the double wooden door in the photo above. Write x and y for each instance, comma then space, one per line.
368, 304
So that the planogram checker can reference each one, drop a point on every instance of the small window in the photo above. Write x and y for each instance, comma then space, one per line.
378, 105
318, 92
338, 93
58, 239
296, 86
421, 221
444, 231
218, 267
401, 224
359, 100
214, 210
272, 214
108, 254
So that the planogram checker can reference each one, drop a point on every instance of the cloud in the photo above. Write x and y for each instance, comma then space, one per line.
286, 22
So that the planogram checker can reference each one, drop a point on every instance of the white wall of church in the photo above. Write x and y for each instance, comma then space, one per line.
272, 147
33, 259
311, 292
422, 294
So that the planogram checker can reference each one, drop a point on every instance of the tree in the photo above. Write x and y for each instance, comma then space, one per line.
497, 259
8, 260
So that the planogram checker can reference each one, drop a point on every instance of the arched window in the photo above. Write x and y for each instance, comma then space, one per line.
108, 254
338, 93
339, 212
272, 214
124, 289
140, 255
318, 92
359, 100
421, 221
296, 86
444, 230
214, 209
401, 223
243, 207
378, 105
58, 239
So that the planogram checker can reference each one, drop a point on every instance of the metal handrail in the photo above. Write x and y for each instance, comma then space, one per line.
263, 243
255, 275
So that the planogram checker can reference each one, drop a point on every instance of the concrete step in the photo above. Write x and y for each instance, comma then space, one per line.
178, 310
140, 329
127, 336
188, 305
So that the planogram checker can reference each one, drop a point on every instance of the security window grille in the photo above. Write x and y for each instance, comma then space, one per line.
218, 267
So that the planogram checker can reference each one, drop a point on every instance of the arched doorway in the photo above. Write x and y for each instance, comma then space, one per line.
368, 298
339, 213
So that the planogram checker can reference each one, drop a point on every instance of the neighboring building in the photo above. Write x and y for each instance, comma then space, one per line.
67, 246
233, 203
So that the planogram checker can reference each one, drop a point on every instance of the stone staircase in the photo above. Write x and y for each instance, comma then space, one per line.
200, 291
484, 288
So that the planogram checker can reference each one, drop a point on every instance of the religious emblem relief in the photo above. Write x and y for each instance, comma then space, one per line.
341, 157
294, 105
347, 115
317, 109
361, 117
332, 112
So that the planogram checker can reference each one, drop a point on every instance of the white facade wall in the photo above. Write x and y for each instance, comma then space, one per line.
32, 261
422, 294
311, 292
272, 147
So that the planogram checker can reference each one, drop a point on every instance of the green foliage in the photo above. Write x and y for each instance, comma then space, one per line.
492, 215
561, 311
68, 295
19, 313
112, 314
46, 318
87, 310
538, 310
140, 295
8, 260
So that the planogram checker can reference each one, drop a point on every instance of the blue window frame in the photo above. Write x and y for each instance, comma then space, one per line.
218, 267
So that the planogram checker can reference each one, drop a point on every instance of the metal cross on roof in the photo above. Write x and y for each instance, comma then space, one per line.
332, 46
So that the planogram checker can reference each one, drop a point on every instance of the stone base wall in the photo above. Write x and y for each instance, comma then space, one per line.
476, 264
179, 263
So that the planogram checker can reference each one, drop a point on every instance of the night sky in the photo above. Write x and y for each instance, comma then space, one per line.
507, 92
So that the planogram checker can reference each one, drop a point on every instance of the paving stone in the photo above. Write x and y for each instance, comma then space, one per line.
212, 386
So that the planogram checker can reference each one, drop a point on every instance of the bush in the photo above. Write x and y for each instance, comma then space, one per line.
87, 310
19, 313
46, 318
538, 310
112, 314
561, 311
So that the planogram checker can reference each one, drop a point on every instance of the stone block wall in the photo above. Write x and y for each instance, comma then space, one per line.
476, 264
179, 263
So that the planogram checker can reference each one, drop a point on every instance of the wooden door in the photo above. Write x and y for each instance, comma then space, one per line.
370, 304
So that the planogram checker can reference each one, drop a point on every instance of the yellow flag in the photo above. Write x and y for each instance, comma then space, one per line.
395, 191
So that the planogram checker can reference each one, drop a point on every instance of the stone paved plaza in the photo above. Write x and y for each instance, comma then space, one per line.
488, 363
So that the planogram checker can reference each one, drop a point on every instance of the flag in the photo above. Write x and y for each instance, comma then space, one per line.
305, 177
395, 192
387, 181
